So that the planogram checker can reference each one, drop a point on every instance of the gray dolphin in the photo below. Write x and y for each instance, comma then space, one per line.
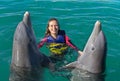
92, 61
27, 61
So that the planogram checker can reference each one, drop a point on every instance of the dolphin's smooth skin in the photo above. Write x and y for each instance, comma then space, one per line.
92, 61
26, 63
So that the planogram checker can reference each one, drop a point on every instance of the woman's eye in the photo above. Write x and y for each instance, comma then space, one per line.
51, 26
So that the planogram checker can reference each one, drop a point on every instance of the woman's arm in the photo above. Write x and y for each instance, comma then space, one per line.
69, 43
41, 43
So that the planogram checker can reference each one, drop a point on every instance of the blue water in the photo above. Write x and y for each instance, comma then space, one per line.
76, 17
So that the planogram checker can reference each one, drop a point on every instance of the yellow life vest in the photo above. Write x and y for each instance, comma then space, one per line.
57, 48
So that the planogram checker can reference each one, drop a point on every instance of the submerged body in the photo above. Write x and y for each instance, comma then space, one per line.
58, 45
57, 41
27, 61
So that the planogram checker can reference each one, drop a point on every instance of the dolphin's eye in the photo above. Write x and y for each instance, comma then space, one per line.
93, 48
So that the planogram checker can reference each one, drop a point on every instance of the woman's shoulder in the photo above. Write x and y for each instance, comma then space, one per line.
44, 39
61, 32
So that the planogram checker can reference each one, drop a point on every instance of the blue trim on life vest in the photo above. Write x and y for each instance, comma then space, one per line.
59, 39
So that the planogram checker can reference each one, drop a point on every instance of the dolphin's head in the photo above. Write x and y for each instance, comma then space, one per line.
24, 34
25, 49
94, 53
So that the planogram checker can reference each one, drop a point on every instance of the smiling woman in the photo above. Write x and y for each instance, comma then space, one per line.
52, 28
57, 41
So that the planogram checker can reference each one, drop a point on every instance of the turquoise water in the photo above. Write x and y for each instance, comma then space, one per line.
76, 17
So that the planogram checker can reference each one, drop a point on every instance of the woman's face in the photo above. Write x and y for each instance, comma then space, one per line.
53, 27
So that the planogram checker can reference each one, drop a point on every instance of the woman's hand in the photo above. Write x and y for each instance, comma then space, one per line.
80, 52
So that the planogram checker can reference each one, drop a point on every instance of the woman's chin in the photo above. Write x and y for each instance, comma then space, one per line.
54, 32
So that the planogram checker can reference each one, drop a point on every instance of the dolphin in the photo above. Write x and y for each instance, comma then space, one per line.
27, 61
92, 61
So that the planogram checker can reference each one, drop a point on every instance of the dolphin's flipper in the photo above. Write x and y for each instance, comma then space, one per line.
70, 65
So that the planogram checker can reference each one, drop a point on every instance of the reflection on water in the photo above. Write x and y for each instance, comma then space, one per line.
81, 75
